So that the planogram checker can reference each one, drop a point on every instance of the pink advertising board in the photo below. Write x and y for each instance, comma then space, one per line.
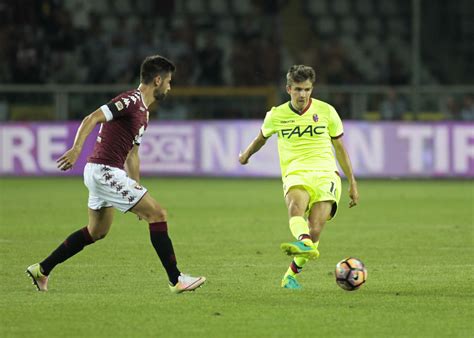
210, 148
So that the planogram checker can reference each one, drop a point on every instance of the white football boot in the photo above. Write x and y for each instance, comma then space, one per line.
187, 283
39, 280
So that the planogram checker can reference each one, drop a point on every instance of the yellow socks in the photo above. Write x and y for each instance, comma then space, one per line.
299, 229
297, 264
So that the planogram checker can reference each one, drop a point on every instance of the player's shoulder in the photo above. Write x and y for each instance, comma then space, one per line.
278, 113
135, 93
321, 105
282, 109
323, 108
127, 99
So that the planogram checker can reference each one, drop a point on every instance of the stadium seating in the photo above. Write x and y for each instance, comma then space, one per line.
363, 42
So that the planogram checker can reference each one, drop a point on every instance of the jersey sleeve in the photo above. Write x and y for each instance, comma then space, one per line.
138, 139
335, 124
120, 106
268, 128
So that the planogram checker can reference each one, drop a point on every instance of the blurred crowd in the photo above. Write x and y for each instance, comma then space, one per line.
394, 106
82, 41
216, 43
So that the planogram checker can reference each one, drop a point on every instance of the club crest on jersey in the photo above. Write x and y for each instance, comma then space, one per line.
119, 105
315, 117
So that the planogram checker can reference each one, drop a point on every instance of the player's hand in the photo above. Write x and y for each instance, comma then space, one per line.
68, 159
243, 159
353, 194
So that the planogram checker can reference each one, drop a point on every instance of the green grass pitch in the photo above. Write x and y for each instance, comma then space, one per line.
415, 237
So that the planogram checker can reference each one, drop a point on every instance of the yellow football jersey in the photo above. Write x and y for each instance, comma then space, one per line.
304, 141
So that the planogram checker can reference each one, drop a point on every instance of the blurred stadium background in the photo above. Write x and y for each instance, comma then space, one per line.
375, 60
407, 60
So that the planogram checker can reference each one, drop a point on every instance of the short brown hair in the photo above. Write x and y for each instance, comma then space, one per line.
153, 66
300, 73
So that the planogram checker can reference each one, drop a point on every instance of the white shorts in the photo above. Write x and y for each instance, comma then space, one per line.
111, 187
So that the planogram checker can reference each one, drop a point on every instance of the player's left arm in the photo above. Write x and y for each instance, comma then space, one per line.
132, 164
345, 163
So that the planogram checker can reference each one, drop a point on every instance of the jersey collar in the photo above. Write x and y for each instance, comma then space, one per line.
303, 111
143, 100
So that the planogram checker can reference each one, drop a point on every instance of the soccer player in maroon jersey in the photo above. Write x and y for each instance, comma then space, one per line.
112, 176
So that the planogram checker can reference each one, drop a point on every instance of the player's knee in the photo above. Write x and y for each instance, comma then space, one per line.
97, 235
156, 214
162, 214
295, 209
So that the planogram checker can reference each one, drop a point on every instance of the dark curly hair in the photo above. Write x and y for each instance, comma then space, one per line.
300, 73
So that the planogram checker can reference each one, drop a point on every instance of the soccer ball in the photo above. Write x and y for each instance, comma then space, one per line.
350, 274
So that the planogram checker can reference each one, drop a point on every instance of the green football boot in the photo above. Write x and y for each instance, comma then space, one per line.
290, 282
299, 248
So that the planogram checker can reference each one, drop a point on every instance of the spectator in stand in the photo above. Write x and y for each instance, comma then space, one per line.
392, 107
210, 62
94, 40
311, 55
121, 68
341, 103
270, 61
181, 46
467, 111
451, 108
396, 73
242, 63
27, 67
4, 54
339, 70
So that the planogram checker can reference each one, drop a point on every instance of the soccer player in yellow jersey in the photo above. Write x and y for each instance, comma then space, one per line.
307, 130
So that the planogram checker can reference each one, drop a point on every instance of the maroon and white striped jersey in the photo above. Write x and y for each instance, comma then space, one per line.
127, 119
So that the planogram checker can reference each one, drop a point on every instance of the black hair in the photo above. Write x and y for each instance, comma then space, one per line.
153, 66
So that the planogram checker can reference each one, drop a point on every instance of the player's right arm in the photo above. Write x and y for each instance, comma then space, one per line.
67, 160
265, 132
253, 147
